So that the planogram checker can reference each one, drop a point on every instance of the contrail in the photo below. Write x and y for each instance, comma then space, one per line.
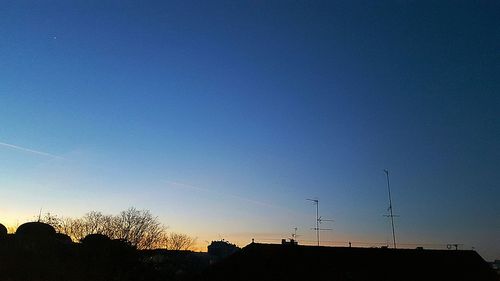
192, 187
188, 186
30, 150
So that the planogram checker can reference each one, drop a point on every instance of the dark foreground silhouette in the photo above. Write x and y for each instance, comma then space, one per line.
294, 262
37, 253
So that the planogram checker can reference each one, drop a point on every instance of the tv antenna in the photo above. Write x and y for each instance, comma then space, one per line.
294, 234
319, 219
40, 215
390, 215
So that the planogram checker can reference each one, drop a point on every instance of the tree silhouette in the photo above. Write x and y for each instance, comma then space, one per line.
139, 227
178, 241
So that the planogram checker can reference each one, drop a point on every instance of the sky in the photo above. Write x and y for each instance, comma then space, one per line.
222, 118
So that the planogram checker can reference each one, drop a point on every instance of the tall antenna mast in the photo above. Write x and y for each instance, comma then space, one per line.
390, 207
318, 219
316, 202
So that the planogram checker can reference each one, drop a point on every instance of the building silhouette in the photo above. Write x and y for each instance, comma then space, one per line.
222, 249
295, 262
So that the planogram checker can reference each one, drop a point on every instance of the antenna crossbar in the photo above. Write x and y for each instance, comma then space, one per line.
319, 219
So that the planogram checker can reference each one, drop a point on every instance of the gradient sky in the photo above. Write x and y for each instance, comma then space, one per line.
223, 117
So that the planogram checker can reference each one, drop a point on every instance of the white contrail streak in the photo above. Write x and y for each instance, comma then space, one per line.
11, 146
241, 198
188, 186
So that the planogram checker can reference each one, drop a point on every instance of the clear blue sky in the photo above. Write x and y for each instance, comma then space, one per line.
223, 117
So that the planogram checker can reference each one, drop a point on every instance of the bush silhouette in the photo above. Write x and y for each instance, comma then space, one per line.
3, 231
35, 230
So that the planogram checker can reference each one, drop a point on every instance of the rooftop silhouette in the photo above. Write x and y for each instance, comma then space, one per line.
293, 262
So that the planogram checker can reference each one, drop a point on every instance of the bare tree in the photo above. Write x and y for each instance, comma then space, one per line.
97, 223
67, 226
178, 241
53, 220
138, 227
74, 228
90, 223
77, 229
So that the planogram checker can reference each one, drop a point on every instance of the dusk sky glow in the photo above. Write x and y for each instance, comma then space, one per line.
221, 118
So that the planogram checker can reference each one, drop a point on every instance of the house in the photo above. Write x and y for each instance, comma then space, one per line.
222, 249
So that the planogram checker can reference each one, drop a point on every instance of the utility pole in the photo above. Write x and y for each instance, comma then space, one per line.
390, 207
